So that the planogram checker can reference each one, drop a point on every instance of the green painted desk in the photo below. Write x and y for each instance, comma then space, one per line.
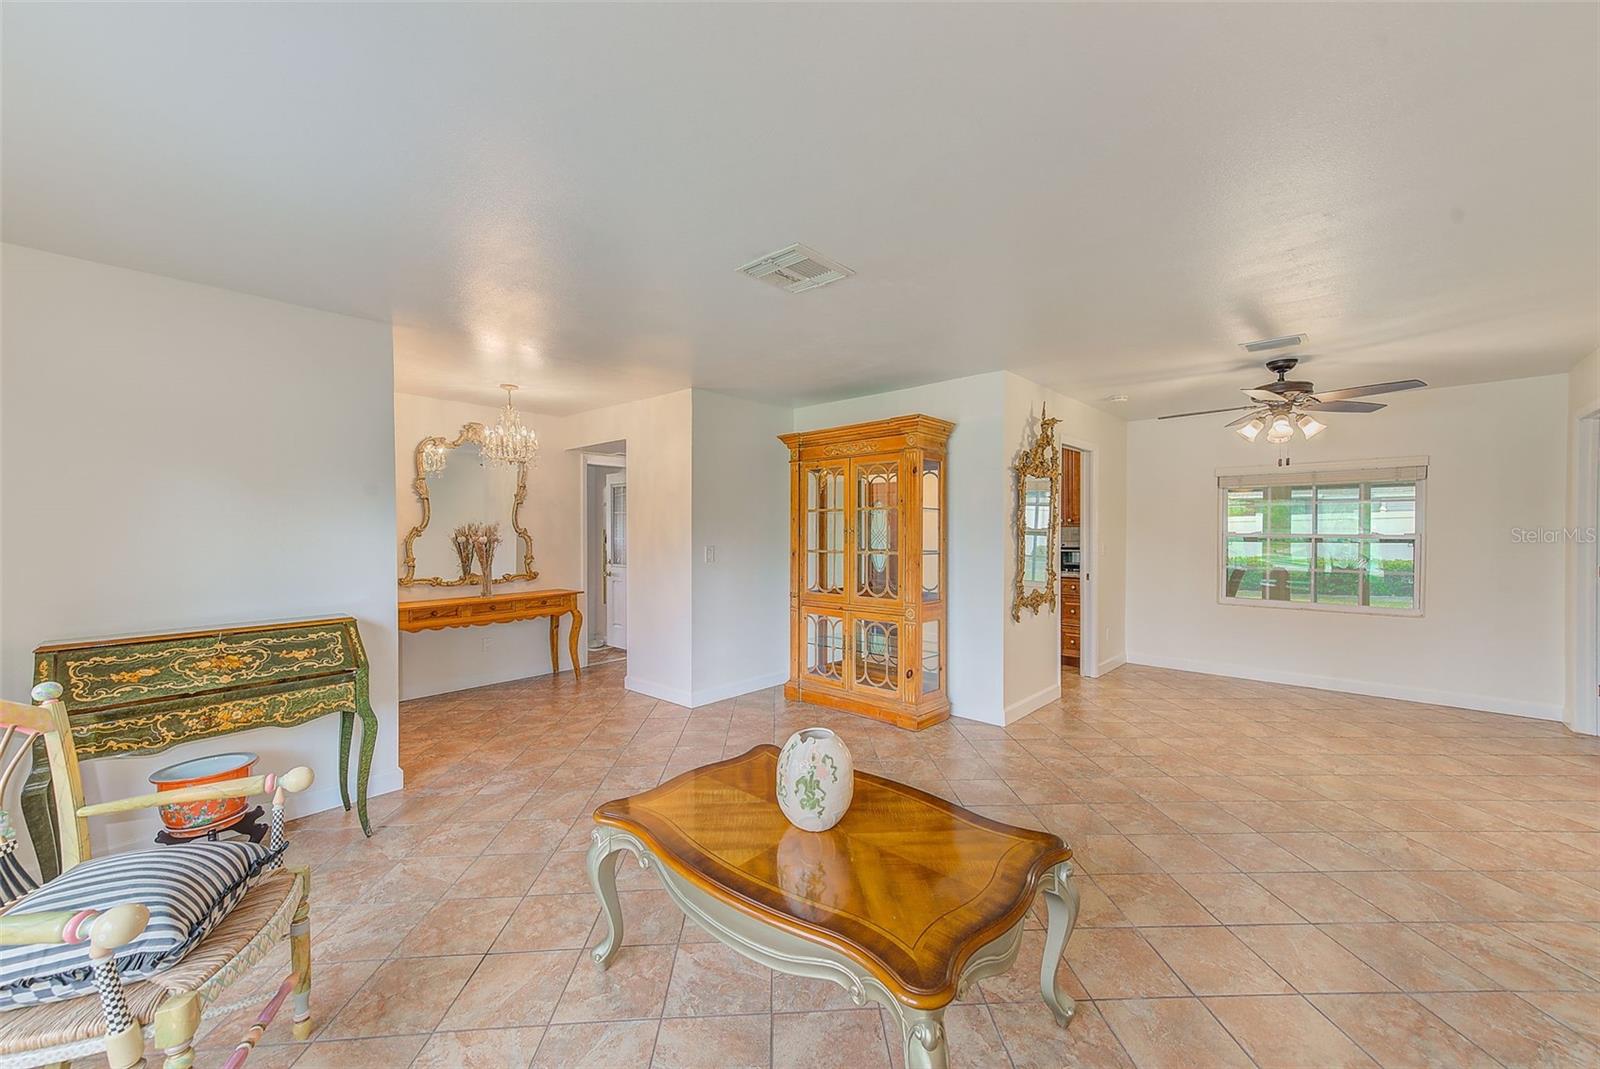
148, 693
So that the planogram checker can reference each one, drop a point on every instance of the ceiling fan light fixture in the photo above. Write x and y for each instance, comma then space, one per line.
1248, 431
1309, 425
1280, 430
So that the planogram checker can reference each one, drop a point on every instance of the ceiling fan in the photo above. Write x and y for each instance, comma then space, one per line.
1279, 407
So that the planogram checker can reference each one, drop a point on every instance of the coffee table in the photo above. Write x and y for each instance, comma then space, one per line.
907, 901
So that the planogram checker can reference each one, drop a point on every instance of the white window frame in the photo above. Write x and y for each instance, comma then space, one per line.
1352, 470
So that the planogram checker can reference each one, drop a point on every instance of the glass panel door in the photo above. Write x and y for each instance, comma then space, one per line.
875, 656
824, 652
877, 522
824, 520
932, 503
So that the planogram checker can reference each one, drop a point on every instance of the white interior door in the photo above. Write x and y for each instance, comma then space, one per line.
616, 560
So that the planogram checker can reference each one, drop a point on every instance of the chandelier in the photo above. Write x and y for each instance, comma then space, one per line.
509, 441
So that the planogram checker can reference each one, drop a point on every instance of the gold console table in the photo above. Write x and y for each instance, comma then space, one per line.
433, 614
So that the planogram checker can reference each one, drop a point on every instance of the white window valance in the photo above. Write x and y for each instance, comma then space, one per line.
1412, 470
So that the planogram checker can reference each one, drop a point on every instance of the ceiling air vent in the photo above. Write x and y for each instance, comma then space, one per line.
796, 269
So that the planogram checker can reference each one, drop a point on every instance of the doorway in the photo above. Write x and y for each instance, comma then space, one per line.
604, 538
614, 558
1077, 604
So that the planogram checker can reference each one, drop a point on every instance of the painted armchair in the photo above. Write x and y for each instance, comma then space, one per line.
171, 1004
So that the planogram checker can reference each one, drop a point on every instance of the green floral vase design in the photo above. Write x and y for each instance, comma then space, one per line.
816, 779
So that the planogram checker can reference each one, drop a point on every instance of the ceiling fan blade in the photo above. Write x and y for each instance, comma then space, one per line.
1266, 396
1346, 406
1241, 421
1208, 412
1368, 391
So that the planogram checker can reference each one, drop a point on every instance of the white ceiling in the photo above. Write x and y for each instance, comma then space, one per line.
1104, 198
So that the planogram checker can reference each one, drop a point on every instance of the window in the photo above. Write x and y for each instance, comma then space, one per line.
1348, 539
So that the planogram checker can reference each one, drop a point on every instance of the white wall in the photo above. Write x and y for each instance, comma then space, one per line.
1492, 633
433, 662
741, 507
977, 495
177, 456
1033, 645
659, 435
1582, 712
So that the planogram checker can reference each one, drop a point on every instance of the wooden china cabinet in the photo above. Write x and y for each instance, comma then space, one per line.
867, 569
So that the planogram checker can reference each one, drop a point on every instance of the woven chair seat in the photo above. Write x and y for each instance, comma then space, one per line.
75, 1020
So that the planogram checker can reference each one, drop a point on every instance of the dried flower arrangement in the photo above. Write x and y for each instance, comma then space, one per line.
487, 541
464, 539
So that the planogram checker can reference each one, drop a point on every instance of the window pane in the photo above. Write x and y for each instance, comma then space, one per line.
1338, 510
1247, 567
1246, 512
1288, 575
1341, 571
1289, 510
1392, 575
1394, 510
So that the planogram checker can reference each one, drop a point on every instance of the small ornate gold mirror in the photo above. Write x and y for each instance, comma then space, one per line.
1038, 521
456, 487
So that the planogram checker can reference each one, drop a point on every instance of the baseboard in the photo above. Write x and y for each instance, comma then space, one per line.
1037, 700
1110, 664
325, 796
707, 695
658, 690
1479, 702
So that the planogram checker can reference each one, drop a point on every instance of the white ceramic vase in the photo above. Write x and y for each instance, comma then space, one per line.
816, 779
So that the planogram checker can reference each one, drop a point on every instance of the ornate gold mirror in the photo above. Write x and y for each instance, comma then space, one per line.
1037, 520
455, 487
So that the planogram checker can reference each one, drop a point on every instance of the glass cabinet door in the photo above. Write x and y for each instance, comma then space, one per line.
932, 527
877, 524
875, 655
823, 659
824, 529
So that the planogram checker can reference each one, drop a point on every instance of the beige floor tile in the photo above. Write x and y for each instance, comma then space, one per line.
1234, 898
1212, 961
491, 1048
1578, 1010
347, 1053
1034, 1040
1253, 852
800, 994
1401, 1033
1309, 960
1150, 899
1119, 963
1516, 1032
597, 1045
1406, 959
1287, 1032
712, 979
457, 926
970, 1033
714, 1043
1181, 853
846, 1039
650, 918
403, 996
511, 990
548, 922
1172, 1033
634, 985
1318, 898
504, 876
1508, 960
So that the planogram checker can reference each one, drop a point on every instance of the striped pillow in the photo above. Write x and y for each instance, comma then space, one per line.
187, 889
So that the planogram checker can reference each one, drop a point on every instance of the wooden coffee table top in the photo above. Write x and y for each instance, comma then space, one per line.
907, 884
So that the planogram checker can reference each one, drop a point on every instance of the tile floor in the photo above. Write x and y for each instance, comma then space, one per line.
1270, 876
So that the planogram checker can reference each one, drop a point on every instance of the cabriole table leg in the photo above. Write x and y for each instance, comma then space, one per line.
603, 878
1061, 900
923, 1031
